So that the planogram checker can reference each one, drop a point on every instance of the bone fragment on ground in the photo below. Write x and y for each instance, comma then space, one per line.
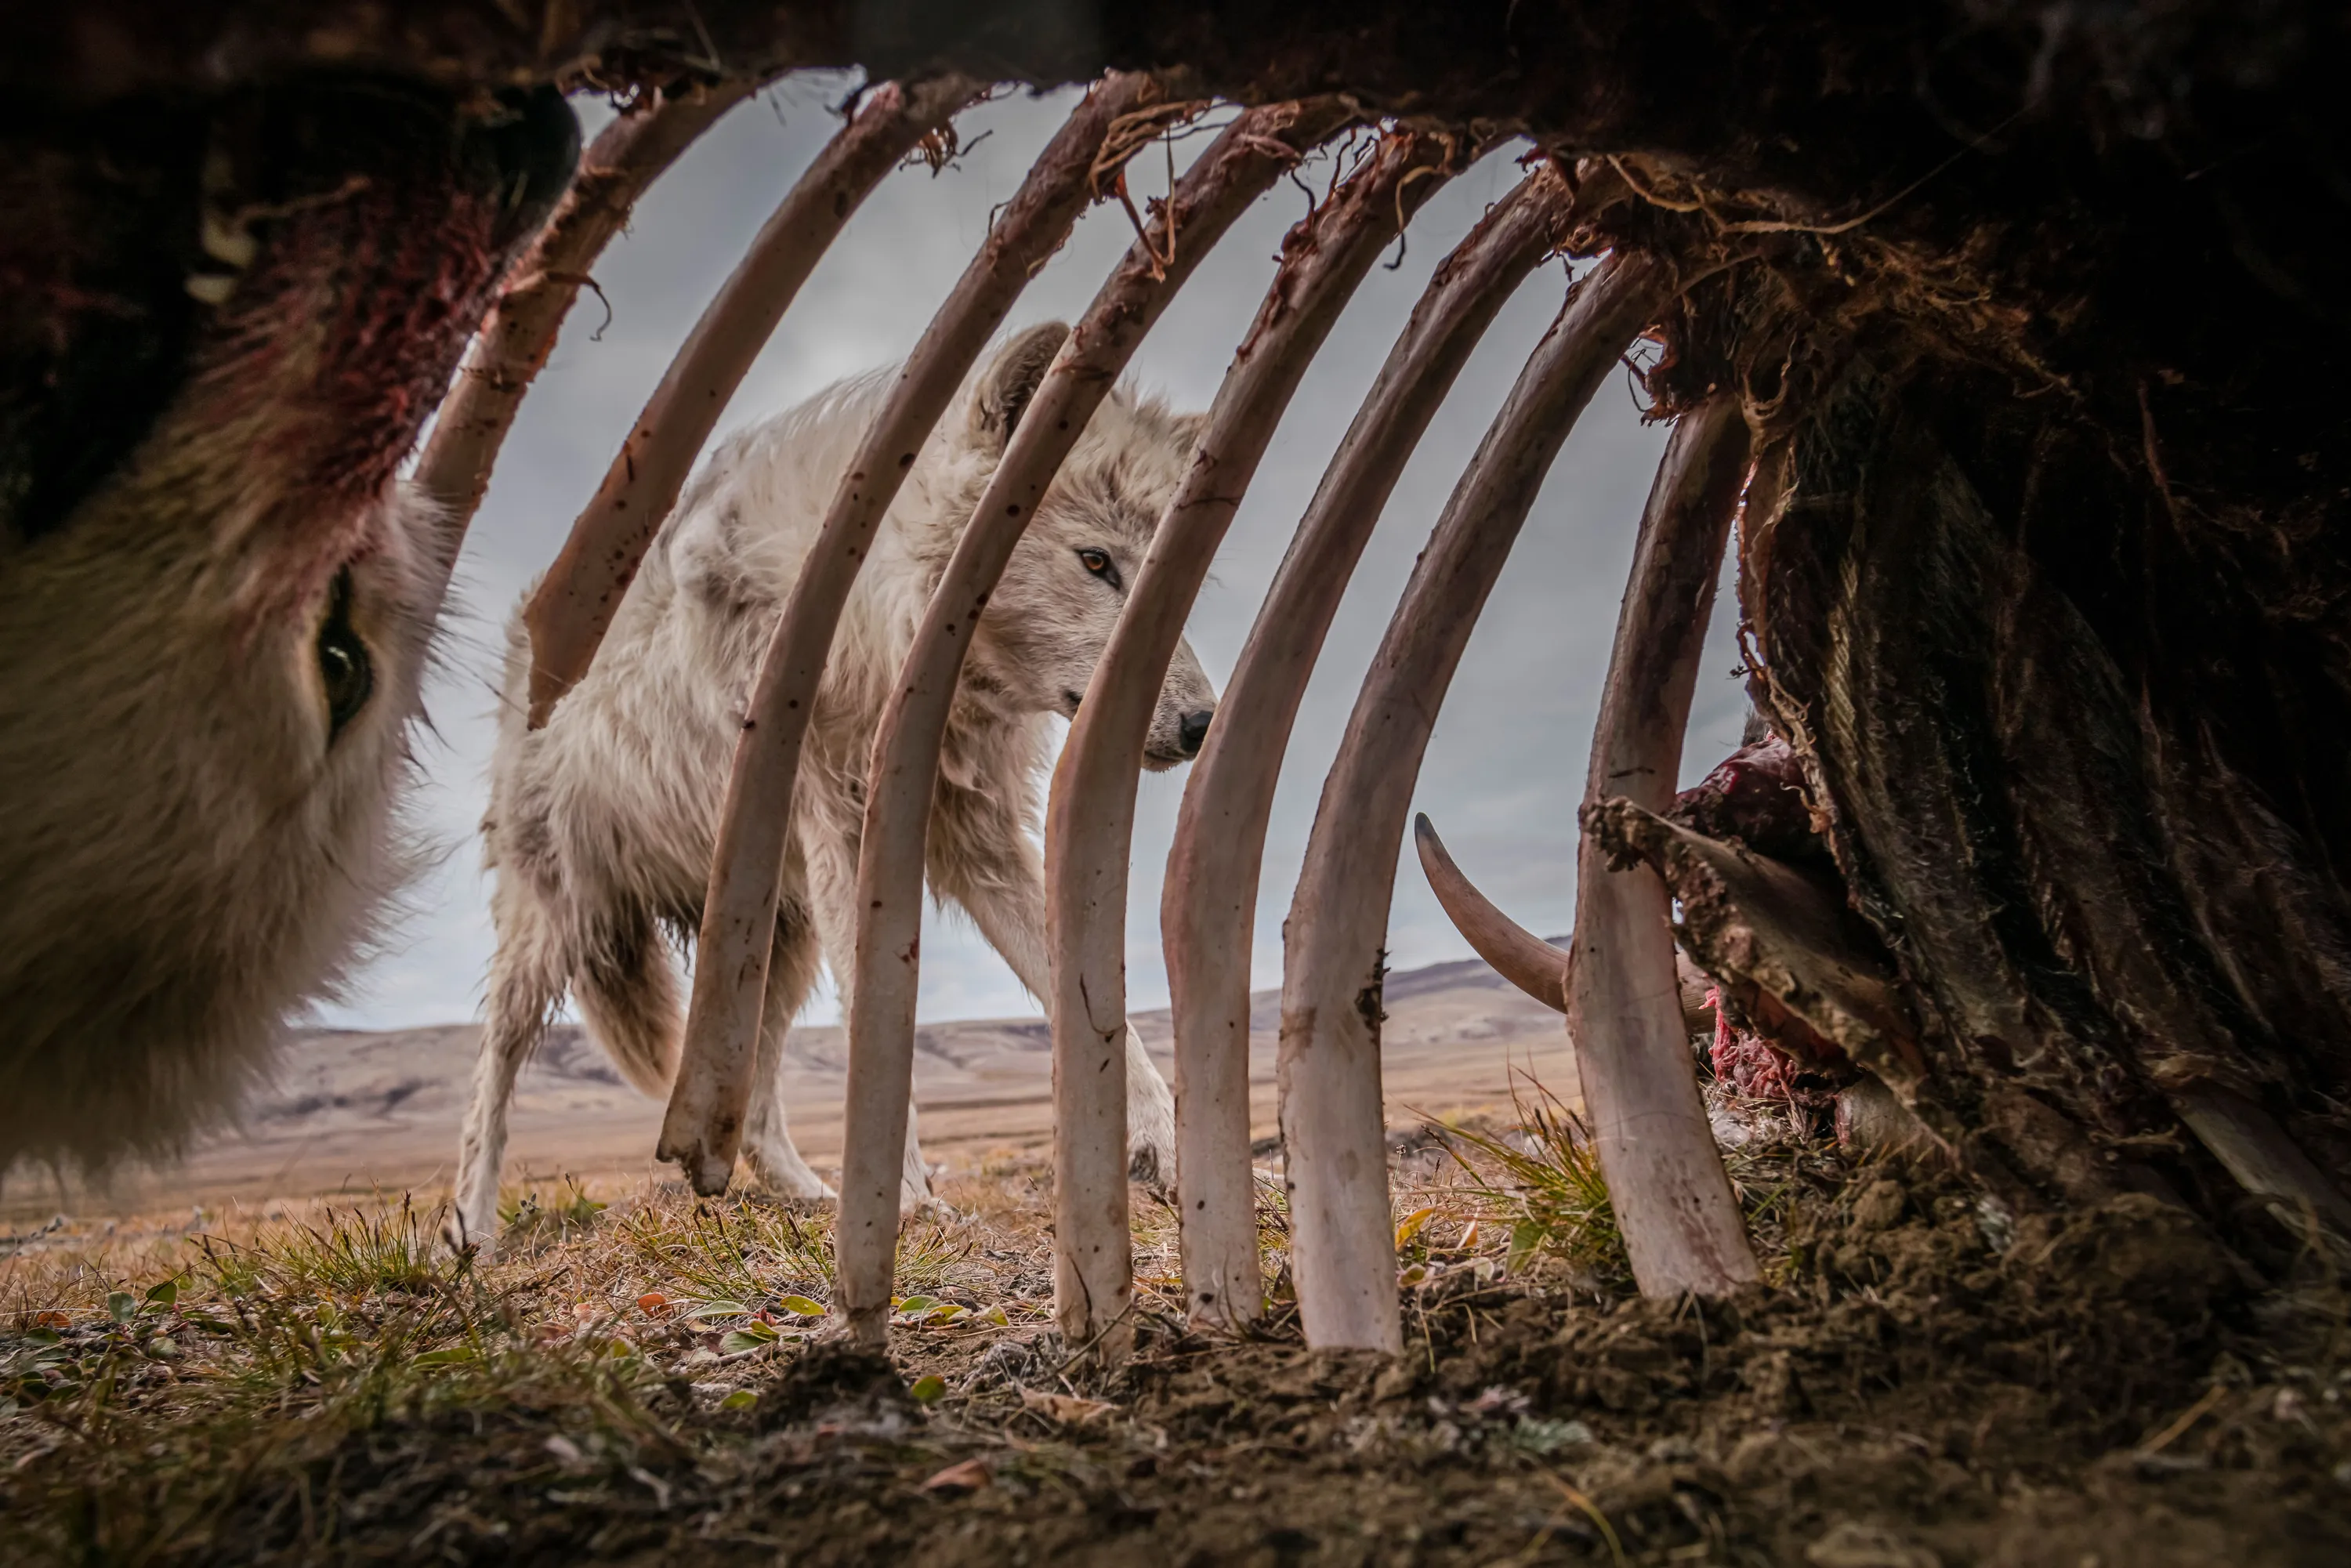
1091, 814
582, 590
1209, 905
1682, 1227
513, 344
1329, 1069
1248, 156
1872, 1120
703, 1127
2265, 1161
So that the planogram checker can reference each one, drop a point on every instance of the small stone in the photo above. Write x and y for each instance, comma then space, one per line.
1879, 1207
1849, 1543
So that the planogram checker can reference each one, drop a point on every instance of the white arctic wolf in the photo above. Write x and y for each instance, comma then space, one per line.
601, 824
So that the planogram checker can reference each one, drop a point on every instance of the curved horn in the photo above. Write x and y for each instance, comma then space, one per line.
1249, 154
1517, 953
1344, 1246
1209, 905
1089, 815
576, 600
704, 1124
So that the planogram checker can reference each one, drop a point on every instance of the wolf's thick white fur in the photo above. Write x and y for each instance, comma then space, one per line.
192, 843
601, 824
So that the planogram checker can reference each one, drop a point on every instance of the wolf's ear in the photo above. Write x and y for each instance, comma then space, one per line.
1010, 381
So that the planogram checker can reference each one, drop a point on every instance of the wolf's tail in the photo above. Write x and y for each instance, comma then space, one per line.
627, 993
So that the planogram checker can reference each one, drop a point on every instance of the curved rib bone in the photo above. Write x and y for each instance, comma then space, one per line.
704, 1124
1209, 905
1521, 956
582, 592
1090, 817
1250, 153
512, 346
1336, 1158
1681, 1224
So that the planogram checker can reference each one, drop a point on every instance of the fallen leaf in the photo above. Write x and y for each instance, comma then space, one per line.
1412, 1224
928, 1388
652, 1302
749, 1337
800, 1306
52, 1321
969, 1475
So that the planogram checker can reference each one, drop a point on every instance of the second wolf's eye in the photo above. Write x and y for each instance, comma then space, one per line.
1100, 565
344, 668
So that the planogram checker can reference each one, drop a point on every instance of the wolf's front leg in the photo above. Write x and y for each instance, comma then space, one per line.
521, 994
767, 1147
994, 872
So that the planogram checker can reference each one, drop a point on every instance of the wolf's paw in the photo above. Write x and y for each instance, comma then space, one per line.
923, 1204
786, 1177
1152, 1165
478, 1242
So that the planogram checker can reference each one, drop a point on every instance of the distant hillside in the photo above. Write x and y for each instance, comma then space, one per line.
355, 1112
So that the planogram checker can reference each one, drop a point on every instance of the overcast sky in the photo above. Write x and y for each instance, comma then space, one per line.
1507, 763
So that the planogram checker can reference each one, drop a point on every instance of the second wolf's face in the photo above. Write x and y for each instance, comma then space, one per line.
1053, 610
215, 599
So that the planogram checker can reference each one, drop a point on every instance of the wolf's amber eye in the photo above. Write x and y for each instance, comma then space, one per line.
344, 668
1100, 565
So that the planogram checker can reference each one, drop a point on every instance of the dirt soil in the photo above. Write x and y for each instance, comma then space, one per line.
1922, 1383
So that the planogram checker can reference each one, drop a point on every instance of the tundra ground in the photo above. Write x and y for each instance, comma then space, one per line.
639, 1380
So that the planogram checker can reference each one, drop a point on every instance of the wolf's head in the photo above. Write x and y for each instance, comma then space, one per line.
1051, 614
215, 599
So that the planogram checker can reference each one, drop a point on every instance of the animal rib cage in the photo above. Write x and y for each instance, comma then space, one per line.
1620, 991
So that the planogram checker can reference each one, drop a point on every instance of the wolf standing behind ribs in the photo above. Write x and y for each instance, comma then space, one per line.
224, 322
601, 824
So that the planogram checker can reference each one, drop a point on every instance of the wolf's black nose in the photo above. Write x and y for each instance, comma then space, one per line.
1194, 729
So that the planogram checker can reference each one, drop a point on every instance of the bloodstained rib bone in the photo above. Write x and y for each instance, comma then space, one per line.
1209, 905
704, 1126
1089, 816
577, 600
1517, 953
1342, 1245
1786, 949
1250, 153
1673, 1203
508, 353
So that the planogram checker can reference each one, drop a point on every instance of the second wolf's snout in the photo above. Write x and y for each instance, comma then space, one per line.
1192, 729
1188, 706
